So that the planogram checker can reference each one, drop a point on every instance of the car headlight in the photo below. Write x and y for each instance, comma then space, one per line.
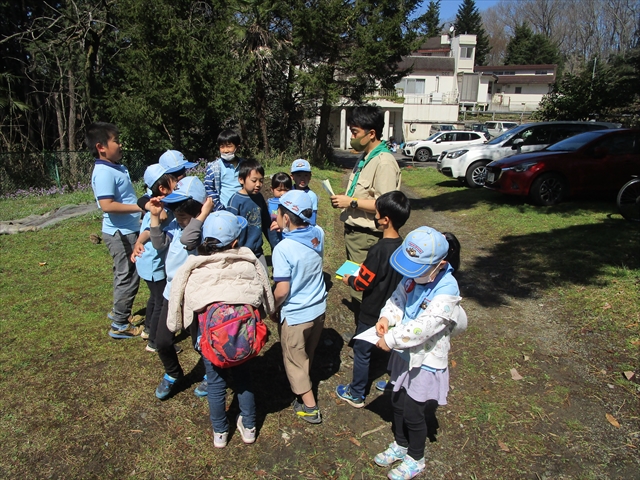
410, 144
456, 154
522, 167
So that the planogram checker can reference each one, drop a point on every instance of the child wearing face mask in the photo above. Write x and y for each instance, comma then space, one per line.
416, 324
221, 176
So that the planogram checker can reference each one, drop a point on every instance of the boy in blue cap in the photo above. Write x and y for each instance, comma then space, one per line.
187, 202
300, 296
416, 323
116, 198
301, 173
174, 163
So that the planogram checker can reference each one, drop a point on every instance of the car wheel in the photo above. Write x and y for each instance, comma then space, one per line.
476, 174
548, 189
423, 155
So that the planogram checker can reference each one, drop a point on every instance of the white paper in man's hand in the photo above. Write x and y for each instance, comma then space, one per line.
327, 186
369, 335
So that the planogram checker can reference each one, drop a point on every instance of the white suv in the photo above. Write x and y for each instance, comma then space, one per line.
423, 150
468, 164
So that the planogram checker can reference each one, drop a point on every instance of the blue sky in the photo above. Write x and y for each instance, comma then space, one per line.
449, 8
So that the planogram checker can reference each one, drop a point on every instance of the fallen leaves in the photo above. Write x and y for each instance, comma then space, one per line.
42, 264
606, 306
354, 441
515, 375
629, 374
503, 446
611, 419
96, 239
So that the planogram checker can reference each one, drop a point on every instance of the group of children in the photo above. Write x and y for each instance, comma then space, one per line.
200, 244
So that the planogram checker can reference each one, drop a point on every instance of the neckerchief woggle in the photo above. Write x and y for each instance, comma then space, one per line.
363, 163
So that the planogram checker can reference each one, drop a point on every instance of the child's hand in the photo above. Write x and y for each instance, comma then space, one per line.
274, 226
138, 250
345, 279
382, 345
207, 207
163, 215
154, 206
382, 326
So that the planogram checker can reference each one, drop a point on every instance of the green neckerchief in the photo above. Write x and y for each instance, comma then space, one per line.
382, 147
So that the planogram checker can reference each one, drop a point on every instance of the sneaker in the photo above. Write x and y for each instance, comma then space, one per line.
248, 434
306, 413
220, 439
145, 334
136, 320
382, 385
201, 389
408, 469
344, 392
128, 332
151, 347
164, 389
391, 455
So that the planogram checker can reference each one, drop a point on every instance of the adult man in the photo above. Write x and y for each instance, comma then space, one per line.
376, 173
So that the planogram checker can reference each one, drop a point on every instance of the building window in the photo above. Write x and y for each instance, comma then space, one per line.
466, 52
518, 89
541, 72
489, 87
415, 86
498, 73
509, 72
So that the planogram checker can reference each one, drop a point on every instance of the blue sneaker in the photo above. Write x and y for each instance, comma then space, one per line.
164, 389
382, 385
344, 392
408, 469
201, 389
391, 455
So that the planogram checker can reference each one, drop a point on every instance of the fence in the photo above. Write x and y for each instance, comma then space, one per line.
24, 170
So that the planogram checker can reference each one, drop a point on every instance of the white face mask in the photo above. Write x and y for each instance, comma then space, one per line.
227, 156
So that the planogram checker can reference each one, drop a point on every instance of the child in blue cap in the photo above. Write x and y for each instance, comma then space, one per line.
416, 324
222, 272
301, 173
300, 295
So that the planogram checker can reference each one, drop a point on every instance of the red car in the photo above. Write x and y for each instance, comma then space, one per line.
590, 162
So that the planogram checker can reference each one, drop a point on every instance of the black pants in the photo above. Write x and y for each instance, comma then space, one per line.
154, 306
413, 422
165, 340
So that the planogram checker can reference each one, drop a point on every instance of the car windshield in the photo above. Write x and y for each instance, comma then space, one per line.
433, 137
572, 144
504, 137
509, 125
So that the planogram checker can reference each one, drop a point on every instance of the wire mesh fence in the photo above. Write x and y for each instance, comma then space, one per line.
28, 170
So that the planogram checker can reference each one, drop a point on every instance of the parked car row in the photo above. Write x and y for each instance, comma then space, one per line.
468, 164
424, 150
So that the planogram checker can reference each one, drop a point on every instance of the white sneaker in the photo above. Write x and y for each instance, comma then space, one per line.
220, 439
248, 434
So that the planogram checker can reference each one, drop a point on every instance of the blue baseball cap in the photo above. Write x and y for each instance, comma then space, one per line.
173, 161
223, 226
297, 201
300, 165
153, 173
188, 187
421, 249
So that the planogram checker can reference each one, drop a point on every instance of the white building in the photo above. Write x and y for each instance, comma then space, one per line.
442, 82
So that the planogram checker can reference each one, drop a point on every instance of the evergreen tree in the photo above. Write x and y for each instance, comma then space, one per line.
528, 48
469, 21
429, 22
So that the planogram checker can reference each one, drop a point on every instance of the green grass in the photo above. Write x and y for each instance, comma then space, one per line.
76, 404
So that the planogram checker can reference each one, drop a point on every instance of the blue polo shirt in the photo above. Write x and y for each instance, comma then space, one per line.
302, 267
112, 181
177, 254
150, 265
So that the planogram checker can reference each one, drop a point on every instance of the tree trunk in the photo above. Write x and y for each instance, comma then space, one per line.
261, 112
322, 147
57, 100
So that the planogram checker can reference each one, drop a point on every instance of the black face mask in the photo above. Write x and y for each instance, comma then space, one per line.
375, 221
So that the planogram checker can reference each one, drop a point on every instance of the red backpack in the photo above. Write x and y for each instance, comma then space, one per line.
231, 334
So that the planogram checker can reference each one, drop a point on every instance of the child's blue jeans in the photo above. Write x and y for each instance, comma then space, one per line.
217, 382
361, 361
